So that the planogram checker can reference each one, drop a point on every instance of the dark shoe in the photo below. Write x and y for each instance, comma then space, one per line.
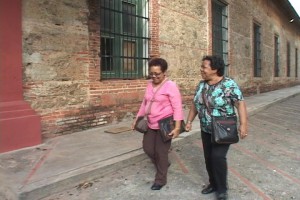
156, 186
208, 189
222, 196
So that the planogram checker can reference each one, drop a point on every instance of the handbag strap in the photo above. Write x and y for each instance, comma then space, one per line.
205, 99
204, 96
149, 107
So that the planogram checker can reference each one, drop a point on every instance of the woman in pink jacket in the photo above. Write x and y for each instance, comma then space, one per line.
166, 102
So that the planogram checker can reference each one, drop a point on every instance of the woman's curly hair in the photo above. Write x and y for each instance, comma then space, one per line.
217, 63
159, 62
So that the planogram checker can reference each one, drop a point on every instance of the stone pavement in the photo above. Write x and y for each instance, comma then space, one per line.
264, 166
66, 161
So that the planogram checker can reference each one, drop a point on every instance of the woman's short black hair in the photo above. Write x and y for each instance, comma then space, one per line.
217, 63
162, 63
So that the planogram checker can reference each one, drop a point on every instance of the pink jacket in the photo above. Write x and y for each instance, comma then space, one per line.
167, 102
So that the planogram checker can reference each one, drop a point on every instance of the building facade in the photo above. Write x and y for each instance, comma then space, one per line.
85, 62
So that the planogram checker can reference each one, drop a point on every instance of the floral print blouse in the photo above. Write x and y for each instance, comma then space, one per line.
220, 98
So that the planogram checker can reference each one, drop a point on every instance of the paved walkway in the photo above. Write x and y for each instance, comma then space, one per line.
66, 161
265, 166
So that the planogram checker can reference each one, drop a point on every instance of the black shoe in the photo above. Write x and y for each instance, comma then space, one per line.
156, 186
208, 189
222, 196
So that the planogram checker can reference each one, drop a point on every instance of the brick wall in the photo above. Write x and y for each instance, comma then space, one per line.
61, 48
55, 60
62, 77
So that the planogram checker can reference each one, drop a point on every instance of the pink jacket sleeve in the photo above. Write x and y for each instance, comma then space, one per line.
142, 111
176, 102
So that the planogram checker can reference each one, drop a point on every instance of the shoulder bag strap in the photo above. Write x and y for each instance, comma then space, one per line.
149, 108
205, 99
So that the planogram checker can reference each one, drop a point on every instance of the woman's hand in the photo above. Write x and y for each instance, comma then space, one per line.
188, 127
175, 133
191, 116
133, 124
243, 131
241, 107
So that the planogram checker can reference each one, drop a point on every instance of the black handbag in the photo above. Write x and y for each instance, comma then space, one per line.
224, 129
166, 126
141, 124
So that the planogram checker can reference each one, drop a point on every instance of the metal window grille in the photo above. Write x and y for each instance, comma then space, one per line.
288, 60
257, 51
276, 56
220, 30
296, 62
124, 38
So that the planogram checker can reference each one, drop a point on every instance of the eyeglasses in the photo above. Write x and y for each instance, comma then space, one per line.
155, 74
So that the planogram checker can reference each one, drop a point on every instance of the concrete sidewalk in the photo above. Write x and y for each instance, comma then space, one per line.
66, 161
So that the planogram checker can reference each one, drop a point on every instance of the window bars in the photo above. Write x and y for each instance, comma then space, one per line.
276, 56
296, 62
257, 51
288, 60
220, 30
124, 35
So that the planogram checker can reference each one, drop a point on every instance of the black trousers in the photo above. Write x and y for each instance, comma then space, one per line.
216, 162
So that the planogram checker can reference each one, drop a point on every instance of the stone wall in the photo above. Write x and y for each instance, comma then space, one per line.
62, 82
55, 59
242, 15
183, 39
61, 48
185, 36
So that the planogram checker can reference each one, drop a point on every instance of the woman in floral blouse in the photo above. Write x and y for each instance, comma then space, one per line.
222, 94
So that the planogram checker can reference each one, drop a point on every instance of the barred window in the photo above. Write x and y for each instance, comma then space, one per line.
257, 51
288, 60
276, 56
220, 30
124, 38
296, 62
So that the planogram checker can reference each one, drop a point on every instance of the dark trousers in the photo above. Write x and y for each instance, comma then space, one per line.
158, 151
216, 162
